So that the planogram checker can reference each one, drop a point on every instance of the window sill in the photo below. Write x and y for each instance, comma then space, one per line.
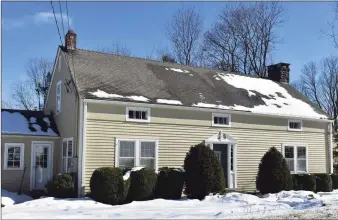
13, 169
290, 129
136, 120
222, 126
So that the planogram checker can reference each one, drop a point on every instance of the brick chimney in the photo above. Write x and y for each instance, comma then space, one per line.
70, 40
279, 72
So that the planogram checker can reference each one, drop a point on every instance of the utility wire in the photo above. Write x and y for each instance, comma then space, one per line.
63, 29
57, 26
67, 16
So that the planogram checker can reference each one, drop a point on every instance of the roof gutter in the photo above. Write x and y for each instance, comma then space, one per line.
192, 108
16, 135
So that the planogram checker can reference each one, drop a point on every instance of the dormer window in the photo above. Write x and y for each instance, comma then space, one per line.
221, 120
295, 125
138, 114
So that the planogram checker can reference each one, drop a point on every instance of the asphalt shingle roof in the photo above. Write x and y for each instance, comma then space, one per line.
131, 76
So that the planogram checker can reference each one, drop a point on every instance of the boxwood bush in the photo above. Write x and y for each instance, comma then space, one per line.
273, 173
61, 186
323, 182
170, 183
304, 182
203, 173
107, 185
334, 178
142, 185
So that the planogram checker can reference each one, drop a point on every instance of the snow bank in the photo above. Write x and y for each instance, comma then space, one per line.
127, 175
171, 102
278, 101
102, 94
9, 198
16, 123
229, 206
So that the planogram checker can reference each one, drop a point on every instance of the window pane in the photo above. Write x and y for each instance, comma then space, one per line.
10, 164
289, 152
215, 120
138, 115
290, 163
11, 150
232, 158
16, 164
301, 165
221, 120
149, 162
301, 152
147, 149
70, 148
64, 148
126, 162
295, 125
144, 115
10, 157
127, 148
131, 114
17, 156
17, 150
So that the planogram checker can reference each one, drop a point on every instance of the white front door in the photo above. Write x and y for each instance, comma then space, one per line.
42, 164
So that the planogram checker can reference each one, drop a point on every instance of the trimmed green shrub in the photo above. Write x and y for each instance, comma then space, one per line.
323, 182
304, 182
203, 173
61, 186
273, 173
142, 185
334, 178
107, 185
170, 183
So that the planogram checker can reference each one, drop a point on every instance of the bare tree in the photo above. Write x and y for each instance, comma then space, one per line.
5, 104
184, 31
31, 93
320, 85
117, 49
243, 37
333, 25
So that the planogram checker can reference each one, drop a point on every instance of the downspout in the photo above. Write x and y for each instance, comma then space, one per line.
331, 148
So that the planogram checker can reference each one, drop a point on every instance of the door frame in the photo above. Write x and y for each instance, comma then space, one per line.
51, 161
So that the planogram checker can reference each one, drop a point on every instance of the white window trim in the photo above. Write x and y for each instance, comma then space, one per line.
295, 146
221, 115
22, 155
297, 121
56, 96
137, 151
137, 109
67, 157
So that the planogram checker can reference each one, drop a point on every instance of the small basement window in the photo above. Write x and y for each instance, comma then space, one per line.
295, 125
222, 120
138, 114
14, 156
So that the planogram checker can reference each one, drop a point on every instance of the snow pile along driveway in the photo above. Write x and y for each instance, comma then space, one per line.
232, 205
9, 198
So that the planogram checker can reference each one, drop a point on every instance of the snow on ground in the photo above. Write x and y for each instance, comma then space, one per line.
102, 94
127, 175
231, 205
177, 70
279, 101
171, 102
9, 198
16, 123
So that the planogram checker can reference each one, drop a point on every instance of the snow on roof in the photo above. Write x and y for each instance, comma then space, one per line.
26, 122
177, 70
170, 102
102, 94
279, 101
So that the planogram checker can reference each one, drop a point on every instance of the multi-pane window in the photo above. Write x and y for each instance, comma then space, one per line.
221, 120
232, 158
67, 154
137, 153
14, 154
295, 125
138, 114
58, 97
296, 158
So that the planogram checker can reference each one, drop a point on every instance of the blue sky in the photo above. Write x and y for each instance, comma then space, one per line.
29, 31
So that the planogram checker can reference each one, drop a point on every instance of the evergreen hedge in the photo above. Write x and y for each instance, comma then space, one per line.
170, 183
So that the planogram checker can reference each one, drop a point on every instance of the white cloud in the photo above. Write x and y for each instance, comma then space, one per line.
39, 18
